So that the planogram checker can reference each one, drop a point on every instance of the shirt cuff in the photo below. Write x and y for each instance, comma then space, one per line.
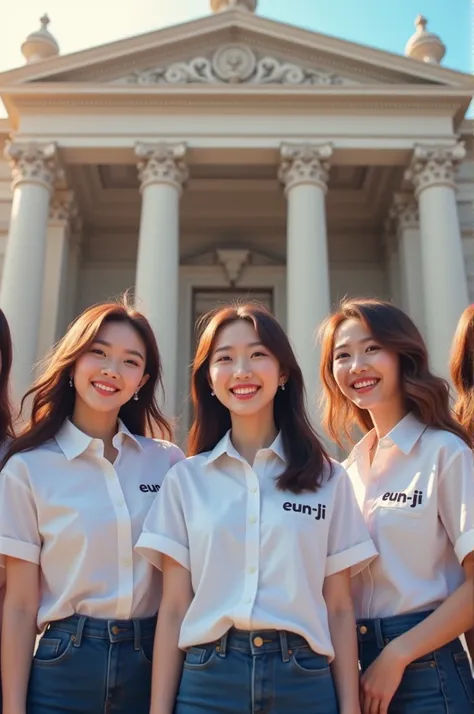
464, 545
153, 546
19, 549
356, 558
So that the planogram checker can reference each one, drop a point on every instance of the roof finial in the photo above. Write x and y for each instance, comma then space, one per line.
425, 45
40, 44
219, 5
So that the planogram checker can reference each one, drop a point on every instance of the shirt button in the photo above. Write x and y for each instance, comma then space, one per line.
248, 599
253, 519
254, 489
120, 502
252, 569
127, 562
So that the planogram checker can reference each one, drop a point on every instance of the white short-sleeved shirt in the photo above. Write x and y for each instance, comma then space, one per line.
258, 556
67, 508
417, 499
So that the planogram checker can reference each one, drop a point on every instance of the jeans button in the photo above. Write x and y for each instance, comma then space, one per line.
114, 630
363, 630
258, 642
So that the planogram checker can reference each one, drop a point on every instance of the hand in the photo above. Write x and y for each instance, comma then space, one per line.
381, 680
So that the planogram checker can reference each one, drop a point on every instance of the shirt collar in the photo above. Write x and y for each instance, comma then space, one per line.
73, 442
225, 446
404, 435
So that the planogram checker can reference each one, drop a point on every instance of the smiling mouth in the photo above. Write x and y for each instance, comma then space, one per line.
105, 389
245, 392
365, 385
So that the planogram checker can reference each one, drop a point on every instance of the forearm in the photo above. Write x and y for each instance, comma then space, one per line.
18, 642
167, 663
450, 620
344, 667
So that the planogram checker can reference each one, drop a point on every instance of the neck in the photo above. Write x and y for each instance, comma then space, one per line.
387, 417
98, 425
249, 434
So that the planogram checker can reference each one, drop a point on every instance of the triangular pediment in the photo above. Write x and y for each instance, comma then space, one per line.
234, 47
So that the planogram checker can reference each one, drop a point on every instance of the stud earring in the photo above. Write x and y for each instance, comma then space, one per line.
71, 383
213, 394
282, 386
135, 397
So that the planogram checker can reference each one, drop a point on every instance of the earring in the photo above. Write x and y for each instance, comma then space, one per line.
213, 394
135, 397
282, 386
71, 383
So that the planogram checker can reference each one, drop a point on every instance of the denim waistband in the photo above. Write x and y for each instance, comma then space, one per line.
258, 642
112, 630
381, 628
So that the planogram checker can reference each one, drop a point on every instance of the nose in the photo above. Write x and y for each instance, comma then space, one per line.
242, 369
358, 364
110, 370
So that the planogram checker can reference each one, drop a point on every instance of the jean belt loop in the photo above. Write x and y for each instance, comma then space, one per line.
79, 631
137, 635
378, 633
285, 653
223, 645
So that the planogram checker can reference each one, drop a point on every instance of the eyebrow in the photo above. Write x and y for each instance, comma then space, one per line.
226, 348
130, 352
346, 344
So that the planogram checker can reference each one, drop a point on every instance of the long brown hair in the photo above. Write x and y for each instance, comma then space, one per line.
462, 370
306, 458
425, 395
6, 355
54, 398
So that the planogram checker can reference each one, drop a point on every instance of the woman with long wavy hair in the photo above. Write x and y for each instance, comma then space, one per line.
462, 370
256, 534
75, 488
413, 476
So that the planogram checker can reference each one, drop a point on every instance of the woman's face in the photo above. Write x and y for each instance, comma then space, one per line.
365, 372
112, 370
243, 373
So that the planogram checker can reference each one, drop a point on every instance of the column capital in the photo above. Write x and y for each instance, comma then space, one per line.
34, 163
404, 211
434, 165
305, 164
162, 164
63, 209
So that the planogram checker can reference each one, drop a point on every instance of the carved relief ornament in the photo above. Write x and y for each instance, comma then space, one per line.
305, 163
34, 163
434, 165
404, 211
233, 64
162, 163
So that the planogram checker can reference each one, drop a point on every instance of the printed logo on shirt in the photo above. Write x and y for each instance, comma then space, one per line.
319, 511
149, 488
400, 497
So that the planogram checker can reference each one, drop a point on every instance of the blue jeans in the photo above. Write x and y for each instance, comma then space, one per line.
85, 665
265, 672
438, 683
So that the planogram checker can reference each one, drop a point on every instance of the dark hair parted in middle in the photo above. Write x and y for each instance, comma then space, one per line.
307, 461
426, 395
462, 370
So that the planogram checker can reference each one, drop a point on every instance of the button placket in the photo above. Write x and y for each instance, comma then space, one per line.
252, 540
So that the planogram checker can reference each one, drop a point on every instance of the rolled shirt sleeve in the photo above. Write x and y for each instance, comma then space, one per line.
456, 502
349, 542
19, 532
164, 530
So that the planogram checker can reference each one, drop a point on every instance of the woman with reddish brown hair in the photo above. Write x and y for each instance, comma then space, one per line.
462, 370
413, 476
256, 534
75, 488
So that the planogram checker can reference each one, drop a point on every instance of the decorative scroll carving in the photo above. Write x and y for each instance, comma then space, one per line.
162, 163
63, 209
305, 163
434, 165
34, 163
404, 211
233, 64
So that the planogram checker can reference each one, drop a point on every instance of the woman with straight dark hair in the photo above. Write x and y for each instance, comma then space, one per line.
74, 491
256, 534
6, 421
414, 480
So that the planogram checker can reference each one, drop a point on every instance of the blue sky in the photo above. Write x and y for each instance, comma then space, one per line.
383, 24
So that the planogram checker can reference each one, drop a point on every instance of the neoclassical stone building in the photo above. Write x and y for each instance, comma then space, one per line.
233, 156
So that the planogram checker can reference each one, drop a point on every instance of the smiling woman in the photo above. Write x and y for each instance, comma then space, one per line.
75, 489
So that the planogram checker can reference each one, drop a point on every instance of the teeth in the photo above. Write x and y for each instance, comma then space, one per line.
365, 383
104, 388
245, 390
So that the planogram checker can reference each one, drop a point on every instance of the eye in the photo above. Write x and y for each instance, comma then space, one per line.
133, 362
222, 358
373, 348
97, 351
341, 355
259, 353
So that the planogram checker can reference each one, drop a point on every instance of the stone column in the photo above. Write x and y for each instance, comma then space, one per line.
392, 257
63, 220
162, 173
404, 213
432, 172
304, 172
35, 170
